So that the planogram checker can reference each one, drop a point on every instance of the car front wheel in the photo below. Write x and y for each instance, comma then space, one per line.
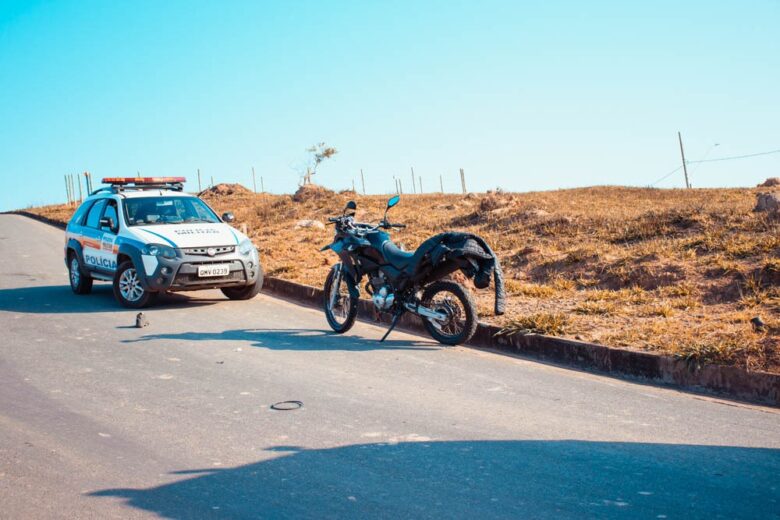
128, 290
243, 293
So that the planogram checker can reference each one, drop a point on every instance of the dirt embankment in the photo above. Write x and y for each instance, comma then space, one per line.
677, 271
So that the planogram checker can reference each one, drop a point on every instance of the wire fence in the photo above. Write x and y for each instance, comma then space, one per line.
79, 186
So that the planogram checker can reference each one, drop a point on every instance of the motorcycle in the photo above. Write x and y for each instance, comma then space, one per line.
399, 281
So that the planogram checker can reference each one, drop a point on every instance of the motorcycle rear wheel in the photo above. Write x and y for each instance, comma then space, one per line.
457, 302
342, 313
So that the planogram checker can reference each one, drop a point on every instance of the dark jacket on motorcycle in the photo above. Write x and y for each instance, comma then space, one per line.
468, 252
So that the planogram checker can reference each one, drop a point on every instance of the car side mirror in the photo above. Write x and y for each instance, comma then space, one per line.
350, 207
107, 222
228, 217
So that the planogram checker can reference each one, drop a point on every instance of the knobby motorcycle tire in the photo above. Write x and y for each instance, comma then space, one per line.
469, 307
339, 328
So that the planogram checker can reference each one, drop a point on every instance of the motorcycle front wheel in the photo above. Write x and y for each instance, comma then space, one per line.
340, 307
458, 305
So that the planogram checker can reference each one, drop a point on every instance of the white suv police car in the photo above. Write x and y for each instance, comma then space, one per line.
146, 236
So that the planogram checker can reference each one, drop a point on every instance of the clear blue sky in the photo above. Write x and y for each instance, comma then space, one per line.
522, 95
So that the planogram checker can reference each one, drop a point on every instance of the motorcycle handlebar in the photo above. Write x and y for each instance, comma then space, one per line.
384, 224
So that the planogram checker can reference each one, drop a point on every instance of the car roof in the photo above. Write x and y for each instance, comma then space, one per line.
133, 194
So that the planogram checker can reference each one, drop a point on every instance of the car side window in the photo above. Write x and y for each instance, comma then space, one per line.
111, 213
93, 218
78, 217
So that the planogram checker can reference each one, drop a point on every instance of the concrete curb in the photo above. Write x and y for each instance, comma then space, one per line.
731, 382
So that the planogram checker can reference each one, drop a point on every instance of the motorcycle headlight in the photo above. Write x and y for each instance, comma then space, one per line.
160, 250
246, 247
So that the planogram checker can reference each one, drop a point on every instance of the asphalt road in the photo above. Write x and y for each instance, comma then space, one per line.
102, 420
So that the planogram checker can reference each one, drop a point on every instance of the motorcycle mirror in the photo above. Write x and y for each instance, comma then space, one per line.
390, 203
351, 206
228, 217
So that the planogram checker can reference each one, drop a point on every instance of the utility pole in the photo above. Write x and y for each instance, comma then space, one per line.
81, 195
463, 180
685, 166
363, 181
212, 181
420, 178
199, 190
262, 186
441, 184
67, 190
254, 181
414, 190
353, 186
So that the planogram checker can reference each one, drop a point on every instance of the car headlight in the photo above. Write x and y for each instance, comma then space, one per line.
160, 250
246, 247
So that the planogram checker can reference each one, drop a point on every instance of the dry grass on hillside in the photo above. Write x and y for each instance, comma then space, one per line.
675, 271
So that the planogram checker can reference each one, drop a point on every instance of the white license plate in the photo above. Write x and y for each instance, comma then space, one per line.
213, 270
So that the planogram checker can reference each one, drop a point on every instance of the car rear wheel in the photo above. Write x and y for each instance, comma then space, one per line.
128, 290
79, 283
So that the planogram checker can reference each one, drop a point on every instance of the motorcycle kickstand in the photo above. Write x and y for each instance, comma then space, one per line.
396, 317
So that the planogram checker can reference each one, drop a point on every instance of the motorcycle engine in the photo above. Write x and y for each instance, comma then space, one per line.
382, 296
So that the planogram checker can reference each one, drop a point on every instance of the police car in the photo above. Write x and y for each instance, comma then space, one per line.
146, 236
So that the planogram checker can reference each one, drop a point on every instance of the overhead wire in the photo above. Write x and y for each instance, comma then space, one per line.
733, 157
705, 160
666, 176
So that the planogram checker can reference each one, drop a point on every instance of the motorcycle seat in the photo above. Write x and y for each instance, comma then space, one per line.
396, 256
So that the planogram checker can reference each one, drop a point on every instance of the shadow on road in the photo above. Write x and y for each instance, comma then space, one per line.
60, 299
480, 479
293, 339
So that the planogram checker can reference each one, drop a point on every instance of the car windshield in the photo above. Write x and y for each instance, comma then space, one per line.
146, 211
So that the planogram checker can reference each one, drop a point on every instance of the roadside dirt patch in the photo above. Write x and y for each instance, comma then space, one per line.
225, 190
313, 192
